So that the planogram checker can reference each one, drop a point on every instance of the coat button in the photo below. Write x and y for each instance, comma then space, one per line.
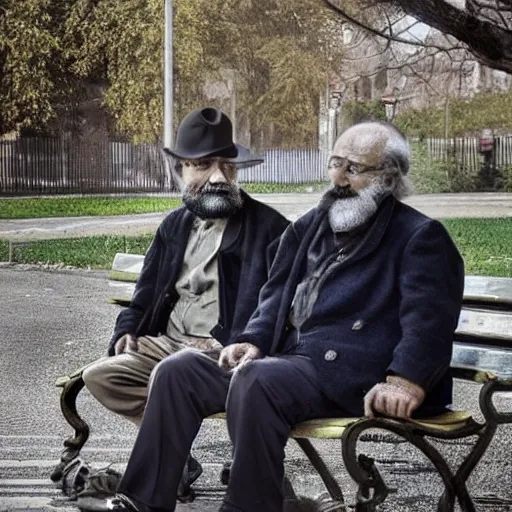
330, 355
357, 325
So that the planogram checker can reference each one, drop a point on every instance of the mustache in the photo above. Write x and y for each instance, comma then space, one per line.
337, 192
216, 188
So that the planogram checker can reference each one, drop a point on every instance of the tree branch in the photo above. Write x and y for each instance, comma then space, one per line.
363, 26
489, 42
379, 33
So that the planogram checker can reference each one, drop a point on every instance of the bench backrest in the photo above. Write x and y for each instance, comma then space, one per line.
483, 340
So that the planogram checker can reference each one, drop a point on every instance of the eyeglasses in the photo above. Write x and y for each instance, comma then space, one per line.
351, 168
205, 164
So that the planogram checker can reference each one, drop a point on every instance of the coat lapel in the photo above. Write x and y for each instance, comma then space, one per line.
375, 232
234, 226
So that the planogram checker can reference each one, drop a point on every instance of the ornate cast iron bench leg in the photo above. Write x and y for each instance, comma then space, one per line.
367, 477
365, 501
329, 481
493, 418
71, 385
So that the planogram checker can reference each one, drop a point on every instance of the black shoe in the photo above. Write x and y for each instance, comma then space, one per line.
75, 476
225, 472
121, 503
191, 472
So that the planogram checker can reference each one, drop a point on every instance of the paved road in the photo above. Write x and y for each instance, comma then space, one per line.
291, 205
53, 322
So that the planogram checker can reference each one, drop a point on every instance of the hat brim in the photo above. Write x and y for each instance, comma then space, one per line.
243, 157
229, 151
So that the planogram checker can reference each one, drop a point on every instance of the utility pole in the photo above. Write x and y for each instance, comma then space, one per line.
168, 75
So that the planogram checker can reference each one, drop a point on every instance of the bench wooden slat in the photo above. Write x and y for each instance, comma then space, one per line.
488, 289
484, 323
125, 262
118, 275
333, 428
483, 359
120, 301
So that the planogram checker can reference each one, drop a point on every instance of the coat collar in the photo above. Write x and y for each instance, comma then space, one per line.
232, 231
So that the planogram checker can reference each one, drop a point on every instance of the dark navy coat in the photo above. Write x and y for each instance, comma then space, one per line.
247, 249
390, 308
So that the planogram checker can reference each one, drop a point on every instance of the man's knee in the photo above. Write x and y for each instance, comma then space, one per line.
179, 366
251, 378
94, 376
114, 385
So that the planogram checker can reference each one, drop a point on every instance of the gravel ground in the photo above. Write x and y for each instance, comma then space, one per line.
55, 320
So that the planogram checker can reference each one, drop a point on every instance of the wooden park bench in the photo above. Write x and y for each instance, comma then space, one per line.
482, 353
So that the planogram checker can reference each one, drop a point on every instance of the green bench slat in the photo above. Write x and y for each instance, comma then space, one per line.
126, 277
333, 428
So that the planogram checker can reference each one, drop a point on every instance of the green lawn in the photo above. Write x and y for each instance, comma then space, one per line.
36, 208
284, 188
486, 245
94, 251
40, 207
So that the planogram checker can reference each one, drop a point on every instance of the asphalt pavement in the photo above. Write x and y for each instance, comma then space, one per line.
52, 322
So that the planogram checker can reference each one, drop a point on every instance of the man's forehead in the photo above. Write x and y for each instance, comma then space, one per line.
364, 144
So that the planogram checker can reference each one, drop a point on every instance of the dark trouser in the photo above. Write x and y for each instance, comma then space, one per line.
263, 400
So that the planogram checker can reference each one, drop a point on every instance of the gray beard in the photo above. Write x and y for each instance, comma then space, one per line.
213, 201
348, 213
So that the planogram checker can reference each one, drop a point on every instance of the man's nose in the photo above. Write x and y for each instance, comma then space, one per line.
217, 176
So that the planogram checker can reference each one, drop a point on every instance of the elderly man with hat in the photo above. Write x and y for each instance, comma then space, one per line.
202, 273
357, 317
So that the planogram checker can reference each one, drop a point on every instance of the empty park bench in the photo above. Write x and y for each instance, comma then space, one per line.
482, 353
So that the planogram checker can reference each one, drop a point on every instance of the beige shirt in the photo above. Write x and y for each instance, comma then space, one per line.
197, 310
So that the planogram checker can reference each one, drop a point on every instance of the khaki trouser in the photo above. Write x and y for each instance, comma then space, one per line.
121, 382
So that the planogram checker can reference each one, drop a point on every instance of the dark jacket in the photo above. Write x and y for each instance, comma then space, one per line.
248, 245
390, 307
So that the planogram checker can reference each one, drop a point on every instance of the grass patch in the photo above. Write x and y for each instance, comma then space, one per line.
485, 244
285, 188
4, 250
96, 251
36, 208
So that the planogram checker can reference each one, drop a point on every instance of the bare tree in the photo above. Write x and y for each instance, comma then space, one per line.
483, 27
418, 75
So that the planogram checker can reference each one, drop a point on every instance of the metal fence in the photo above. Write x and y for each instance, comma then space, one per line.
60, 165
465, 152
30, 166
38, 166
288, 166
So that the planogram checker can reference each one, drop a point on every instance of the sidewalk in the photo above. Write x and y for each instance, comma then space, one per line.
290, 205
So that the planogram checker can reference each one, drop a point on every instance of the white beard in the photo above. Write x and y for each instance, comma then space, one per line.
348, 213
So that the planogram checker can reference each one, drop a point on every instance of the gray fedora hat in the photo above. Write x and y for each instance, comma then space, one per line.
208, 132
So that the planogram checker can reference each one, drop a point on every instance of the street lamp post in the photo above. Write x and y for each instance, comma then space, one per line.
168, 75
389, 100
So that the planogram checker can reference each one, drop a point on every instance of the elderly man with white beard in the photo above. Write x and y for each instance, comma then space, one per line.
357, 318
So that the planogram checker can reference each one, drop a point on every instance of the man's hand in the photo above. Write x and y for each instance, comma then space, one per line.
397, 398
238, 354
125, 343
